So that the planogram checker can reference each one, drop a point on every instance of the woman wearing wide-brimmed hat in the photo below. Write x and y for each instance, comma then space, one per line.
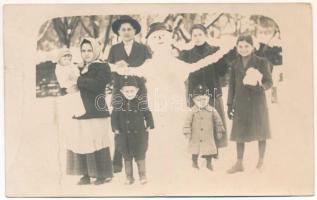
127, 53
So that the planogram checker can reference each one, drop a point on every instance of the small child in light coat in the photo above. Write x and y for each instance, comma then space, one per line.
203, 127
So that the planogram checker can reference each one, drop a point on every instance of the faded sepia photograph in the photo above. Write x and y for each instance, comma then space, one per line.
146, 100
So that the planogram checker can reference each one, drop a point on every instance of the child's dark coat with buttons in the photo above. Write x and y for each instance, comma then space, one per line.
132, 120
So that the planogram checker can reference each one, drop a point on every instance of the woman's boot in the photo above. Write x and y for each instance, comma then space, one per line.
85, 180
238, 167
259, 165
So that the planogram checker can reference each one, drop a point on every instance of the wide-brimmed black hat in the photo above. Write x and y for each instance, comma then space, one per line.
157, 26
126, 19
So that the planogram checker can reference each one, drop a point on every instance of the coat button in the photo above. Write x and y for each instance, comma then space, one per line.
201, 129
201, 140
129, 131
127, 121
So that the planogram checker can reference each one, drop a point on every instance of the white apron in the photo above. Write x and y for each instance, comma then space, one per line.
81, 136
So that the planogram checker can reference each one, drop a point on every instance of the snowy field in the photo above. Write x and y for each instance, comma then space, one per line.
37, 160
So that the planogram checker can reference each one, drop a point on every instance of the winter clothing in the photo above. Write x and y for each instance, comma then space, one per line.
251, 119
92, 157
209, 76
131, 121
139, 53
125, 19
200, 125
96, 165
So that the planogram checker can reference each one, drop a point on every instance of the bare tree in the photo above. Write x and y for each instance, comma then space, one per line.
65, 28
107, 34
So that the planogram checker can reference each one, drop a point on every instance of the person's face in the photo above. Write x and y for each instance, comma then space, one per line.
201, 101
126, 32
87, 52
244, 48
129, 92
198, 37
159, 39
65, 60
264, 35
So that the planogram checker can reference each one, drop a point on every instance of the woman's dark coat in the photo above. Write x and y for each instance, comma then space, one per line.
251, 118
92, 86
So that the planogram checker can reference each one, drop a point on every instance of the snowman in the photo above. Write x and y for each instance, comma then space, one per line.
165, 81
165, 74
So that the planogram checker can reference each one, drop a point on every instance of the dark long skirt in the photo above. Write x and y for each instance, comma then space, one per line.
96, 165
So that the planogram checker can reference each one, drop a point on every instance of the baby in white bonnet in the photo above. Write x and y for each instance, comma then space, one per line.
66, 72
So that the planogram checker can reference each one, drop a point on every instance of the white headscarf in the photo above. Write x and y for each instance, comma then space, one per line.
96, 49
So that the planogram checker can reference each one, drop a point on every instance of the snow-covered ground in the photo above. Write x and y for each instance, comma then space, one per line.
38, 162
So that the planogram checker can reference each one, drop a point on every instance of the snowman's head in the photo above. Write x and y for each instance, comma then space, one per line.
159, 37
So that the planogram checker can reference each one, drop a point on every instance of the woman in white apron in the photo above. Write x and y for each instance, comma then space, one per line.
88, 152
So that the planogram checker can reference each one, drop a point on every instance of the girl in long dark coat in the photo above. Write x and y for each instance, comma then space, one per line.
250, 77
91, 158
126, 53
131, 120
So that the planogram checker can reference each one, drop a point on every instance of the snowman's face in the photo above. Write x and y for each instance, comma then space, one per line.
160, 39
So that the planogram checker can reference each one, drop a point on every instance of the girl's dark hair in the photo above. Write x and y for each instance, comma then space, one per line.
85, 41
198, 26
246, 38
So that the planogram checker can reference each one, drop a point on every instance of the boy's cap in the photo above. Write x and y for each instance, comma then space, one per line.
201, 90
129, 81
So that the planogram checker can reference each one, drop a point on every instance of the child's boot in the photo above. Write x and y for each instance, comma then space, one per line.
195, 161
142, 173
238, 167
129, 172
259, 165
209, 165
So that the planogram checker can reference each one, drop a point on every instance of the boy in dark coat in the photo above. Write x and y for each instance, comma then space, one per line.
131, 120
126, 53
